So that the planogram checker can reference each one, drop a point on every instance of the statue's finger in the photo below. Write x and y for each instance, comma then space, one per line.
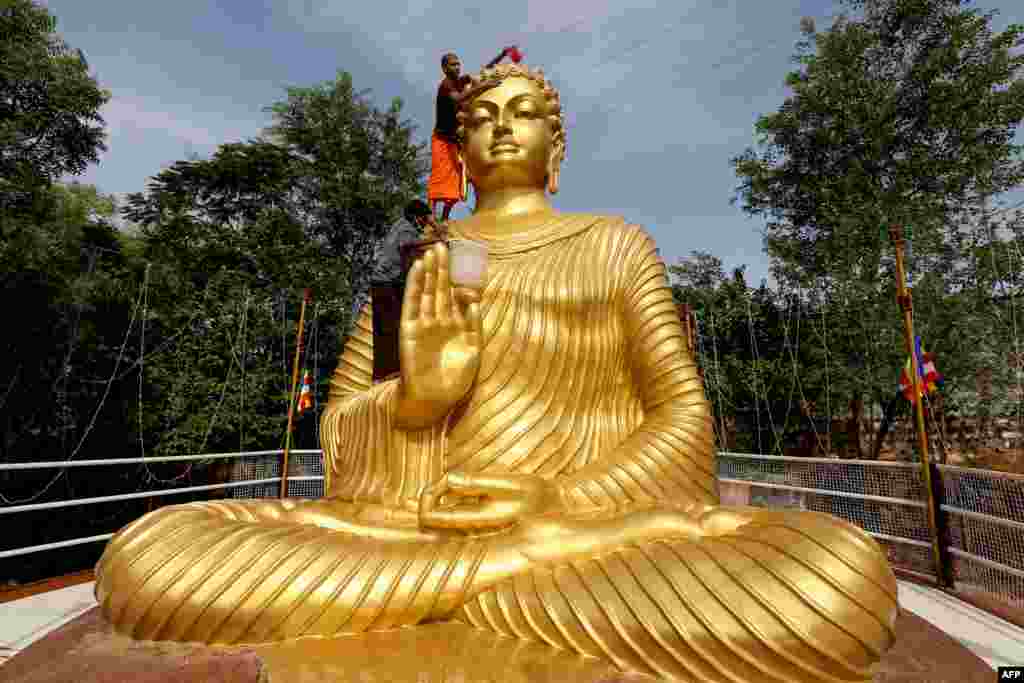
466, 296
463, 298
429, 286
463, 483
432, 494
443, 300
496, 487
489, 515
458, 317
473, 323
413, 291
443, 519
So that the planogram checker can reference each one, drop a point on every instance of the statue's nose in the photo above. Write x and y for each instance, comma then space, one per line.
502, 127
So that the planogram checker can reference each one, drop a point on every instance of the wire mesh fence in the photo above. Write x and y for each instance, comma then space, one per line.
301, 465
981, 516
886, 499
984, 514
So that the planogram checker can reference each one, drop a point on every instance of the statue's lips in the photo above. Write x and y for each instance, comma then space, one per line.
504, 149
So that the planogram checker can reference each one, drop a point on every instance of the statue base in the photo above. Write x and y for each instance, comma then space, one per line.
87, 650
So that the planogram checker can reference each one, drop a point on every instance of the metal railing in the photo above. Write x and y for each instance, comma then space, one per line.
254, 474
984, 521
981, 511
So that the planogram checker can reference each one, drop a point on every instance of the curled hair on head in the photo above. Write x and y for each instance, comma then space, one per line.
503, 71
446, 57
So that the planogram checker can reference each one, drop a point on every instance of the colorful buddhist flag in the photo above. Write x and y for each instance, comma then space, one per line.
931, 379
306, 395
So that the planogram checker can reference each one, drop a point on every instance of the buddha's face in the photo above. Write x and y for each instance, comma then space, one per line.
508, 136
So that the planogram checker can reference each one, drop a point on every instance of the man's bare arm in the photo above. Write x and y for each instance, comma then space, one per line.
468, 91
473, 90
497, 59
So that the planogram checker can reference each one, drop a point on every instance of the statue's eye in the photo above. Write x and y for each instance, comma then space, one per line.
479, 117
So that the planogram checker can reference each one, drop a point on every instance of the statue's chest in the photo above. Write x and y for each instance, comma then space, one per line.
554, 306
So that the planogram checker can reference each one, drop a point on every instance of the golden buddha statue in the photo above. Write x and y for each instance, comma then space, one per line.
542, 468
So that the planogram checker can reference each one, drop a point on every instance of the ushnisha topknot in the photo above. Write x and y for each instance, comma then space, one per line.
503, 71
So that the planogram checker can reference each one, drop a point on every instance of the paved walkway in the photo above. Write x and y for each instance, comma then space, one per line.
997, 642
25, 621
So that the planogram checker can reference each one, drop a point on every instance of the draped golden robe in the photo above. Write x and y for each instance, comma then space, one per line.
584, 379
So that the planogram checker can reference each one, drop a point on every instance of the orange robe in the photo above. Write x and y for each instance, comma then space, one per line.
445, 171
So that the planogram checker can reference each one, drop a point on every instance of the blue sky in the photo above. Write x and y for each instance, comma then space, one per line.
658, 94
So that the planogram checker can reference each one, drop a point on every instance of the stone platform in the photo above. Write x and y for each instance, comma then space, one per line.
86, 650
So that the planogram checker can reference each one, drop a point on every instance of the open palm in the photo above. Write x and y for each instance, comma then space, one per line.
440, 337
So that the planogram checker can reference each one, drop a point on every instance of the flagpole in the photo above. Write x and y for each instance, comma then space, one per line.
905, 301
306, 296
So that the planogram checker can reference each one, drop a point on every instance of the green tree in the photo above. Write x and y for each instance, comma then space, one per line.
905, 114
257, 223
748, 342
49, 104
359, 166
227, 244
66, 378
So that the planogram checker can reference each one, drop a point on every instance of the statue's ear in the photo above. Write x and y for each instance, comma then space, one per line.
555, 165
463, 176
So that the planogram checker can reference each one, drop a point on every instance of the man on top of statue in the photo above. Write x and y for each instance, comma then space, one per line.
445, 186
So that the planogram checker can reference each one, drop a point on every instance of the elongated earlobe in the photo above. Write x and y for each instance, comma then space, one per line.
554, 170
465, 178
553, 180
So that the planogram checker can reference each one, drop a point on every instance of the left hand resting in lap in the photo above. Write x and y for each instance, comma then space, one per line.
487, 502
535, 523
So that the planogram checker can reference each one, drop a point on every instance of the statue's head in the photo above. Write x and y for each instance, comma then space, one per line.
512, 135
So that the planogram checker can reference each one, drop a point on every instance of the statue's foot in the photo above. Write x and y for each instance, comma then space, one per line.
718, 521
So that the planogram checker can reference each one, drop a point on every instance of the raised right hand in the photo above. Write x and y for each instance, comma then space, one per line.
439, 341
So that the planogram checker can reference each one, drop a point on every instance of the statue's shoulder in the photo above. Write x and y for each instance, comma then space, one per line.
597, 219
609, 223
613, 227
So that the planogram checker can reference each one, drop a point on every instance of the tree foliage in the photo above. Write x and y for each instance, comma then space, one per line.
762, 359
259, 222
179, 338
906, 114
358, 166
50, 123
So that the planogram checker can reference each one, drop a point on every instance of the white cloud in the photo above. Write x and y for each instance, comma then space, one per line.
131, 115
616, 62
545, 16
413, 35
135, 122
145, 134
